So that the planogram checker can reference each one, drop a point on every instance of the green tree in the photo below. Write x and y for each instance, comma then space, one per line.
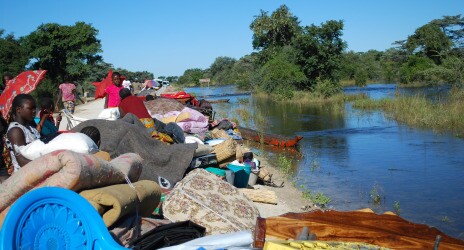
319, 52
243, 71
453, 27
191, 77
221, 70
413, 69
280, 77
62, 50
431, 41
276, 30
13, 58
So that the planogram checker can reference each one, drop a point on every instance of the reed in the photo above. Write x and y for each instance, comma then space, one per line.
418, 111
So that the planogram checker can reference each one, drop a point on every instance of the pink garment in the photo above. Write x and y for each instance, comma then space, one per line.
113, 95
68, 93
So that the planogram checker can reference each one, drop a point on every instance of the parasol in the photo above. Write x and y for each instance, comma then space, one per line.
23, 83
101, 86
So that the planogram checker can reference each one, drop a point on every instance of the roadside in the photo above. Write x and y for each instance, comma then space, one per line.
290, 199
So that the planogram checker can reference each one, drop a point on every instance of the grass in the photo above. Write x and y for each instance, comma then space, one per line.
396, 207
418, 111
374, 195
284, 164
317, 198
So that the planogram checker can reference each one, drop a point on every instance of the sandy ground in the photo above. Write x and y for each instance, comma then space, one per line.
290, 199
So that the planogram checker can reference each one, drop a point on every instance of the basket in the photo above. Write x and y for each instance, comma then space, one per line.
219, 133
225, 150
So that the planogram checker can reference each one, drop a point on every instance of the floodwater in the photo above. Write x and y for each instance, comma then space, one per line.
353, 156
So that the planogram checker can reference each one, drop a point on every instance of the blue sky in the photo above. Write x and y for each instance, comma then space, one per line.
168, 37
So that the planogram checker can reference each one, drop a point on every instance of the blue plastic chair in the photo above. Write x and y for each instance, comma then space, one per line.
54, 218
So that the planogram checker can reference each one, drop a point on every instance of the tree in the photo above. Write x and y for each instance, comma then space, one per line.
319, 52
280, 77
13, 58
191, 76
243, 70
453, 27
221, 68
430, 41
276, 30
69, 51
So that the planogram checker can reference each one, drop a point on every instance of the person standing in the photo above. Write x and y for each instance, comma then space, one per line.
5, 78
112, 98
68, 96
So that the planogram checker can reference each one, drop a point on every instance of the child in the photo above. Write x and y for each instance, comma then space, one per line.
94, 134
46, 109
112, 99
20, 132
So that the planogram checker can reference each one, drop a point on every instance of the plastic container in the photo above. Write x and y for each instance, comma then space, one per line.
253, 178
242, 174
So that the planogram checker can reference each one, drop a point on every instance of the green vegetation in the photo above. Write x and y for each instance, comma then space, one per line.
67, 52
289, 57
317, 198
418, 111
433, 54
284, 164
374, 195
396, 207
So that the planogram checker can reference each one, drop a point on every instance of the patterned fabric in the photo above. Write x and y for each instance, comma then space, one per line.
163, 105
23, 83
67, 90
162, 137
113, 95
30, 134
7, 157
210, 202
68, 169
69, 105
190, 120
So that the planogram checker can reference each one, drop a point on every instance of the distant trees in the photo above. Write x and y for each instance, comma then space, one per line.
67, 52
13, 58
289, 56
434, 53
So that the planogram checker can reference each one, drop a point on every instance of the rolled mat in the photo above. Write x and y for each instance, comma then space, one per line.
225, 150
219, 133
113, 202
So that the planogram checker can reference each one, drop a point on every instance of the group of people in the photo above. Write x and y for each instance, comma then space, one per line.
23, 126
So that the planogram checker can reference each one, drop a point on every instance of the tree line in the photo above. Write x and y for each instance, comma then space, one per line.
289, 57
68, 53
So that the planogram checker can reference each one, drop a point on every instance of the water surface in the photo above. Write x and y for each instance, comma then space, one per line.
349, 155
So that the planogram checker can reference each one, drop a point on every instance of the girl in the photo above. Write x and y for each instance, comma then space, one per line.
112, 99
20, 131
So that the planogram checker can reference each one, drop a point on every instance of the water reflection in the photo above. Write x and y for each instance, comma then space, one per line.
347, 153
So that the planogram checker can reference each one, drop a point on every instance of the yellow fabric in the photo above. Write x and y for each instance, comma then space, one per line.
103, 155
113, 202
183, 116
169, 119
162, 137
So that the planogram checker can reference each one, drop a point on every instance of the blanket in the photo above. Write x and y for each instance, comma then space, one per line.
113, 202
165, 164
69, 170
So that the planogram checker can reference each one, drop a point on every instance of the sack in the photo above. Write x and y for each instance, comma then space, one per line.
213, 203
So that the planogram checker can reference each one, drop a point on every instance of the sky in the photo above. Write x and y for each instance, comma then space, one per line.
169, 37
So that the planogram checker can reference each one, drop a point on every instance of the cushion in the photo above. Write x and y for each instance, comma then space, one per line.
207, 200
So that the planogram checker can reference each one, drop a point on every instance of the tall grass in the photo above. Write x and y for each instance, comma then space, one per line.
418, 111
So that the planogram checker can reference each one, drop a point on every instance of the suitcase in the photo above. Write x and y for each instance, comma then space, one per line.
215, 204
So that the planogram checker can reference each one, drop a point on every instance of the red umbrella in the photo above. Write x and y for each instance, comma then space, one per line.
101, 86
23, 83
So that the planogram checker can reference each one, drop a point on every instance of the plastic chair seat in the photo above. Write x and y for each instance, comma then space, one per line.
54, 218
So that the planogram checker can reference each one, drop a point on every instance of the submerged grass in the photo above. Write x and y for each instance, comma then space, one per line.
418, 111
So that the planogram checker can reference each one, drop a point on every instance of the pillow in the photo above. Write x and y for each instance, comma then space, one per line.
76, 142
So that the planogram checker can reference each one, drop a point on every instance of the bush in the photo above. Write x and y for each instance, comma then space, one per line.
326, 88
279, 76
